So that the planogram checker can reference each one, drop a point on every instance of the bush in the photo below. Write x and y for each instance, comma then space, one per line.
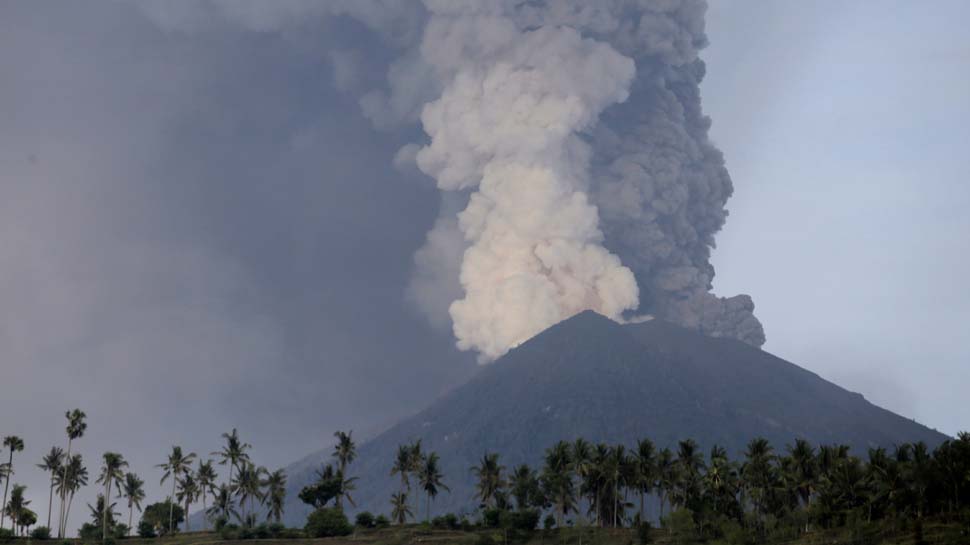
381, 522
682, 526
328, 522
549, 522
41, 533
485, 539
365, 519
6, 534
276, 529
219, 523
491, 518
449, 521
526, 520
146, 529
229, 532
643, 532
262, 531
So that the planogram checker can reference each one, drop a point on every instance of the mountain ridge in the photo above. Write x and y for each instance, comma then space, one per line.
590, 377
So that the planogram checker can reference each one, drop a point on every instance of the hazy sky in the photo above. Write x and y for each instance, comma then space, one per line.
199, 229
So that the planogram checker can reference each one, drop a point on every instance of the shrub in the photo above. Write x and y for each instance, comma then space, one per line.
41, 533
526, 520
643, 532
229, 532
146, 529
219, 523
262, 531
485, 539
6, 534
276, 529
449, 521
247, 532
365, 519
328, 522
682, 526
491, 518
381, 522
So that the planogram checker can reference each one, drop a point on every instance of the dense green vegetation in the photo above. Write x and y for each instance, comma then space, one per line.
582, 491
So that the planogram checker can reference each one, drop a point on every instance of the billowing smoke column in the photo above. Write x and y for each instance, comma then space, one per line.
568, 140
579, 130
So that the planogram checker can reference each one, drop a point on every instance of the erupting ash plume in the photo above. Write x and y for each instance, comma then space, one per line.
579, 130
569, 143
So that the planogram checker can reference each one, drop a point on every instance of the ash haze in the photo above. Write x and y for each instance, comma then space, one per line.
228, 214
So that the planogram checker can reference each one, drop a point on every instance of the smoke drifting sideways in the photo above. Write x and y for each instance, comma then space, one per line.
571, 150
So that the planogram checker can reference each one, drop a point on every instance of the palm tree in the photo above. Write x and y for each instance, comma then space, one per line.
557, 479
76, 427
758, 472
490, 480
399, 507
233, 454
133, 489
75, 476
247, 487
429, 477
15, 444
206, 477
102, 513
222, 504
177, 464
666, 473
402, 466
188, 491
646, 460
720, 479
25, 520
111, 473
17, 504
52, 462
524, 485
344, 451
275, 494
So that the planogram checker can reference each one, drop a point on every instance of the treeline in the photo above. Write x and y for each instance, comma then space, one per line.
764, 493
246, 492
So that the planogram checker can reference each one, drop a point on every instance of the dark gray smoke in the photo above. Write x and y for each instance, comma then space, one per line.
569, 143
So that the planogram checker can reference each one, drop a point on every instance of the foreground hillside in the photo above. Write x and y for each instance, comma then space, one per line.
590, 377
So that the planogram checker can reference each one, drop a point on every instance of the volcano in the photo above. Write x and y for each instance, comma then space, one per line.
591, 377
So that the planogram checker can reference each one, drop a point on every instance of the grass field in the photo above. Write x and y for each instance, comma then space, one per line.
934, 533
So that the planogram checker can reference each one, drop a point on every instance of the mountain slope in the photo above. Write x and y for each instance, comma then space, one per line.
591, 377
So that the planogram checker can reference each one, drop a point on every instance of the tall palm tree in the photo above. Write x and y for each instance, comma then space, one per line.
524, 484
14, 444
666, 473
188, 492
490, 479
344, 451
429, 477
133, 489
75, 476
52, 463
399, 507
233, 454
646, 461
76, 426
758, 472
275, 494
111, 473
557, 479
18, 504
222, 504
720, 479
178, 464
247, 487
402, 467
206, 477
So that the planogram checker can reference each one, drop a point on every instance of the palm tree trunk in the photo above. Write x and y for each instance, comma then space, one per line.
186, 514
171, 503
60, 515
205, 517
67, 512
6, 484
131, 512
50, 503
104, 509
428, 513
